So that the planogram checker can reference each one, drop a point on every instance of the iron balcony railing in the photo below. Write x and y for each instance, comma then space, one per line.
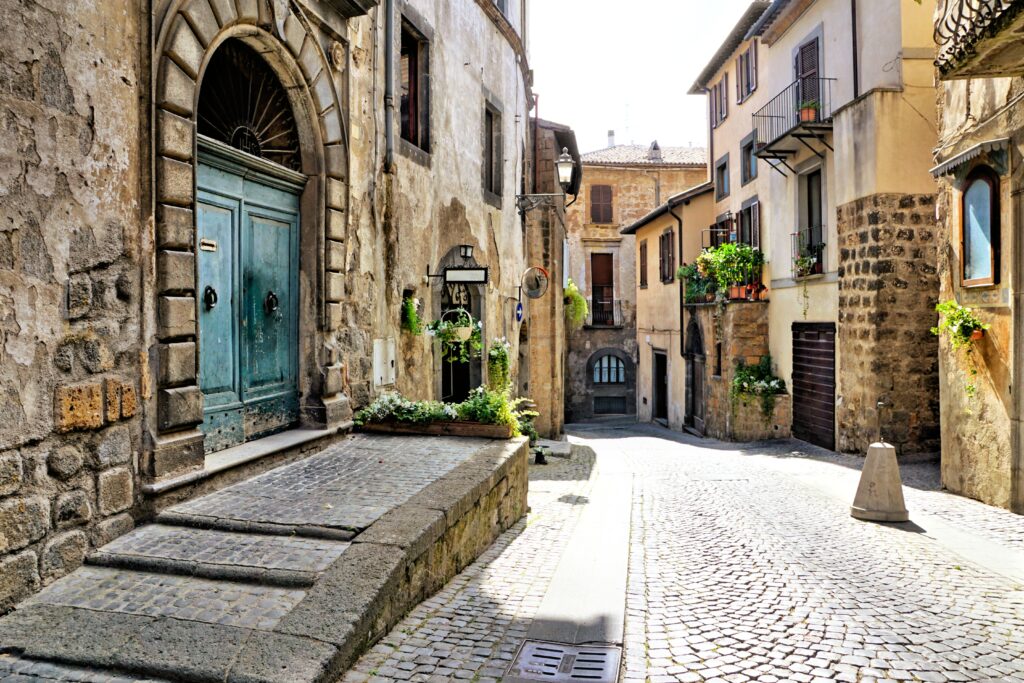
604, 312
808, 251
961, 24
805, 101
733, 232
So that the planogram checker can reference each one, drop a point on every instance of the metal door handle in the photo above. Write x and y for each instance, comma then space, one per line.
210, 297
271, 303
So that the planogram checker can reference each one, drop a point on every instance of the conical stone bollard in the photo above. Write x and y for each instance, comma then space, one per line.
880, 493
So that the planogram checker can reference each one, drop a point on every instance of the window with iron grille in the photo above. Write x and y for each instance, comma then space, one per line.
643, 264
600, 203
414, 87
609, 370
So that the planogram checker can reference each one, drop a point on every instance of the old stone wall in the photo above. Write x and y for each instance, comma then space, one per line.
742, 330
70, 226
888, 288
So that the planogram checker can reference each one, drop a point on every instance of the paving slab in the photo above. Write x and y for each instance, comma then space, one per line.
21, 670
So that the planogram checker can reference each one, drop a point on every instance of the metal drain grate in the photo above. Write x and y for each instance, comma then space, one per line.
556, 662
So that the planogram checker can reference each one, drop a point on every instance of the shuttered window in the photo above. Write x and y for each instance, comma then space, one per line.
807, 72
666, 256
643, 263
600, 203
414, 87
746, 73
493, 159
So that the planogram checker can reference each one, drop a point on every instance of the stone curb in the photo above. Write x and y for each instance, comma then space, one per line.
281, 578
401, 559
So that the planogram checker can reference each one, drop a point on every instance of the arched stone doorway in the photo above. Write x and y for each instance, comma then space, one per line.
308, 163
695, 374
611, 378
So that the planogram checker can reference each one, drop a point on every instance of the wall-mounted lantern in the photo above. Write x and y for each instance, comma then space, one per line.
564, 166
466, 251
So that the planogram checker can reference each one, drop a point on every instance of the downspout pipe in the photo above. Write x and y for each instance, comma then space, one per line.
856, 49
682, 285
389, 85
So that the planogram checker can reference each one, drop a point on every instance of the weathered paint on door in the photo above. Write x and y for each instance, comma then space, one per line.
248, 308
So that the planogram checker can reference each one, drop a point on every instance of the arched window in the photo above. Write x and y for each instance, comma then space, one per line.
979, 227
609, 370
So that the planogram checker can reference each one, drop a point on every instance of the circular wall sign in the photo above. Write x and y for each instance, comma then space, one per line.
535, 282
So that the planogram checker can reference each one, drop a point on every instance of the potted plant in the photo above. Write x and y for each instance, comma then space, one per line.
809, 111
460, 337
804, 264
962, 328
576, 308
411, 317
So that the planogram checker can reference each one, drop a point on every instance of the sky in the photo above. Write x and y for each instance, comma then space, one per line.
601, 65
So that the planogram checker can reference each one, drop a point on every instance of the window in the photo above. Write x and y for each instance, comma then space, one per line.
749, 229
600, 203
492, 161
720, 101
609, 370
718, 359
746, 73
722, 178
643, 263
500, 4
667, 256
807, 72
602, 285
979, 228
748, 161
414, 88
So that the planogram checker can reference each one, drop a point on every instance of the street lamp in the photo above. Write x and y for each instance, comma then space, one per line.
564, 165
466, 251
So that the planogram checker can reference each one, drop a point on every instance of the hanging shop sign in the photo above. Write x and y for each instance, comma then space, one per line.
466, 275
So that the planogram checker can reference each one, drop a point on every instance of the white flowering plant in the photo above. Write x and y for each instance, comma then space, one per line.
756, 381
454, 348
499, 363
393, 406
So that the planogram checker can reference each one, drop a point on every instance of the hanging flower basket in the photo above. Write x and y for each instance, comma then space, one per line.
462, 332
460, 336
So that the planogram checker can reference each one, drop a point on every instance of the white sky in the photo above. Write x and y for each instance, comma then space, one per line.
627, 66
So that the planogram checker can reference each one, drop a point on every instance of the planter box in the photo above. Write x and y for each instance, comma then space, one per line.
441, 429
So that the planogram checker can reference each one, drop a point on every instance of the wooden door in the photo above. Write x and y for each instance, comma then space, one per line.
660, 389
695, 359
602, 285
456, 376
814, 383
248, 310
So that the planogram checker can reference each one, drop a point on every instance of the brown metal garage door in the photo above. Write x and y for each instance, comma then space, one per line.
814, 383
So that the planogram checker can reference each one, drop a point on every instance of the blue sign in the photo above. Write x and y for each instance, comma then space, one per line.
519, 312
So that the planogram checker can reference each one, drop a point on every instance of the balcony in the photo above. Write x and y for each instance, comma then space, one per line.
980, 38
353, 8
604, 312
808, 251
798, 117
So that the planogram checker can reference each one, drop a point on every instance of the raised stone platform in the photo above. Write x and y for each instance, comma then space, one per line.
286, 577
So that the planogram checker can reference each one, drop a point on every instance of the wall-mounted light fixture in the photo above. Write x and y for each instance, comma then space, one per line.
466, 251
564, 166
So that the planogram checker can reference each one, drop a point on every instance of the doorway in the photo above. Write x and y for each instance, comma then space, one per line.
602, 285
660, 389
456, 375
248, 235
814, 383
695, 362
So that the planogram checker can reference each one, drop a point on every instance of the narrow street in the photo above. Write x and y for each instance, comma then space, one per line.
744, 565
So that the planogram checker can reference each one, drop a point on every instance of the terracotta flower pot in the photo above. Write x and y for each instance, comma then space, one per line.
808, 115
977, 335
737, 292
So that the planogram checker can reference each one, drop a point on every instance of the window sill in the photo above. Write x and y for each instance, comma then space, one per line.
492, 199
413, 153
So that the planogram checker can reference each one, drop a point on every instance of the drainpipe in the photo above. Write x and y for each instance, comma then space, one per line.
856, 56
389, 85
682, 285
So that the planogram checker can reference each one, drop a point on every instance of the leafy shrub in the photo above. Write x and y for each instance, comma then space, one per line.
697, 287
756, 381
576, 309
730, 264
499, 364
958, 324
411, 317
392, 406
484, 405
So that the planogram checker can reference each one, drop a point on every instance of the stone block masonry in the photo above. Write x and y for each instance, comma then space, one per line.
888, 288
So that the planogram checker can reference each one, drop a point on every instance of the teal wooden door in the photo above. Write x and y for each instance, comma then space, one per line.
248, 242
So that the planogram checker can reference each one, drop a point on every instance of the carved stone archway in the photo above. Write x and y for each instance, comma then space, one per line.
188, 33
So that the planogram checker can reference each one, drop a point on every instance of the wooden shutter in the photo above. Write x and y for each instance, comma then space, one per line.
714, 106
755, 225
670, 243
753, 66
807, 71
739, 79
725, 96
643, 263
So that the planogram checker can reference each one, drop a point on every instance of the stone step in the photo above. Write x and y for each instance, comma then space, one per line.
266, 560
21, 670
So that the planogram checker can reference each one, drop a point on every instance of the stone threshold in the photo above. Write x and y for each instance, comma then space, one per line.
243, 454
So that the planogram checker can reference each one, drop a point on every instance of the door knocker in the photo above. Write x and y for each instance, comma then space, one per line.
210, 298
271, 303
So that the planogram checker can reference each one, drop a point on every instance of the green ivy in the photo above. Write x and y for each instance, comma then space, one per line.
697, 287
499, 364
958, 324
411, 317
751, 382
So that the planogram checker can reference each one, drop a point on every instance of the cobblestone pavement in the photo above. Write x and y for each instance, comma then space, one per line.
348, 486
739, 571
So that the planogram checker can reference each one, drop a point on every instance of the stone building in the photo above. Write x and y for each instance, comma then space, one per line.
980, 252
210, 217
622, 184
807, 101
542, 336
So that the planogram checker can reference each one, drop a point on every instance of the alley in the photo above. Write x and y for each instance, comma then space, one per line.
743, 565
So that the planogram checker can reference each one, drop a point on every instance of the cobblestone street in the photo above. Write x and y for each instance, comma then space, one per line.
742, 568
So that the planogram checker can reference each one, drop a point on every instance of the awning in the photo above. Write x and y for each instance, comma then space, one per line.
950, 165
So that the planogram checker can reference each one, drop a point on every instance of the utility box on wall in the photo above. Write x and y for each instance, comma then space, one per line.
384, 360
